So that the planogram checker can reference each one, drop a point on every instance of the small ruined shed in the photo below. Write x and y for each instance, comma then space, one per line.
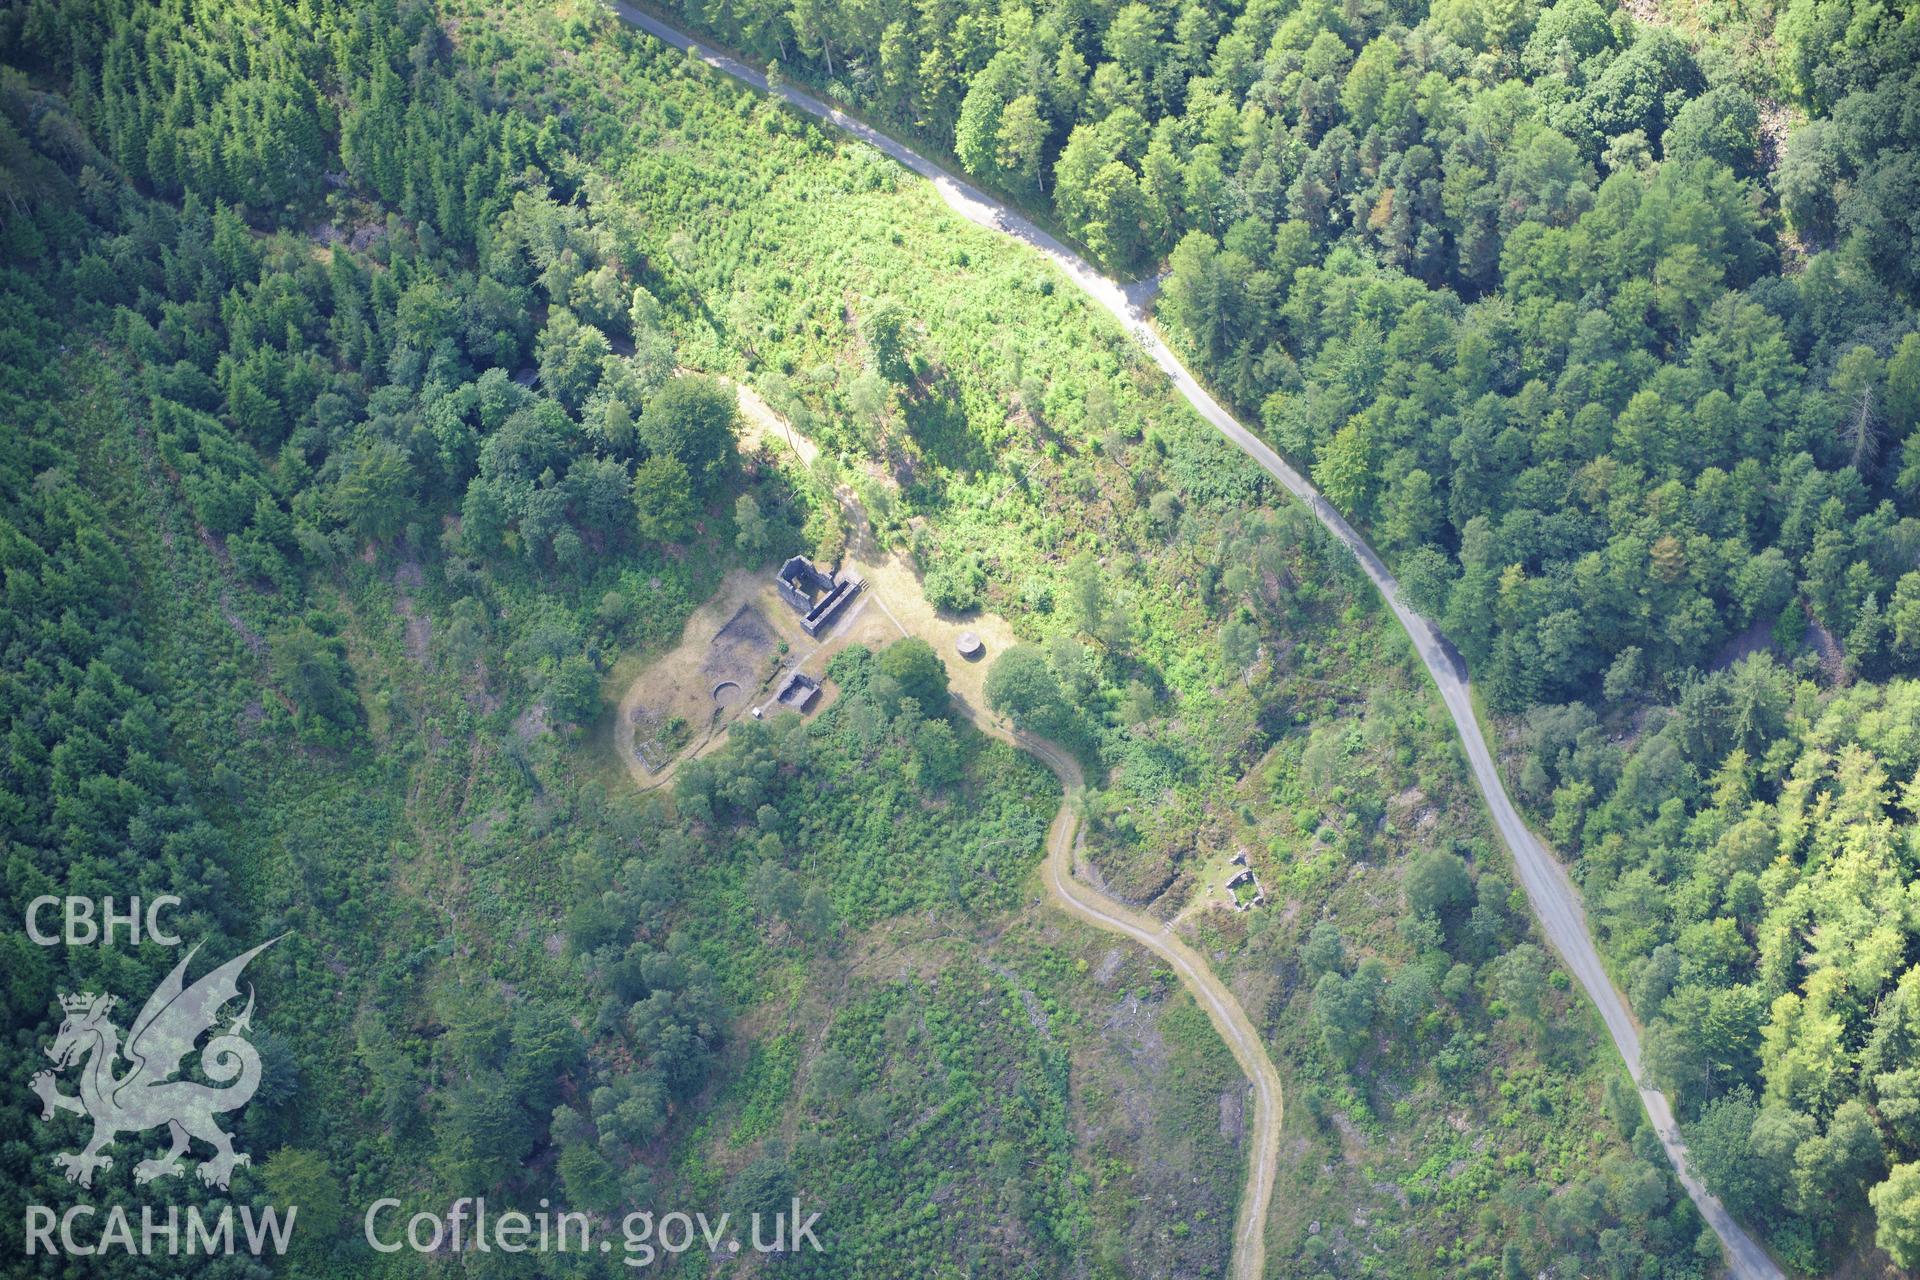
1243, 878
1244, 892
797, 691
817, 597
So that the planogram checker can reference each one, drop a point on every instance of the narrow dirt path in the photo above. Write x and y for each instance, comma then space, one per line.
1550, 890
1077, 898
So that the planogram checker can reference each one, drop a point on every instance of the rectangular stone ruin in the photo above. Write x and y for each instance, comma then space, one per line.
797, 691
817, 597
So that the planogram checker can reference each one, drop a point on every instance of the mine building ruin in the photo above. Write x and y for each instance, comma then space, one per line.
817, 597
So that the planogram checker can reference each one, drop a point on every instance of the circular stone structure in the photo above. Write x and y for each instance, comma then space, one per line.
727, 692
969, 645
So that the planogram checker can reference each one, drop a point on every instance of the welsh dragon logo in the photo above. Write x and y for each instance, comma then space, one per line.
145, 1095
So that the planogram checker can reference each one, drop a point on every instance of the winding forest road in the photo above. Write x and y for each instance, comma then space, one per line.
1551, 892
